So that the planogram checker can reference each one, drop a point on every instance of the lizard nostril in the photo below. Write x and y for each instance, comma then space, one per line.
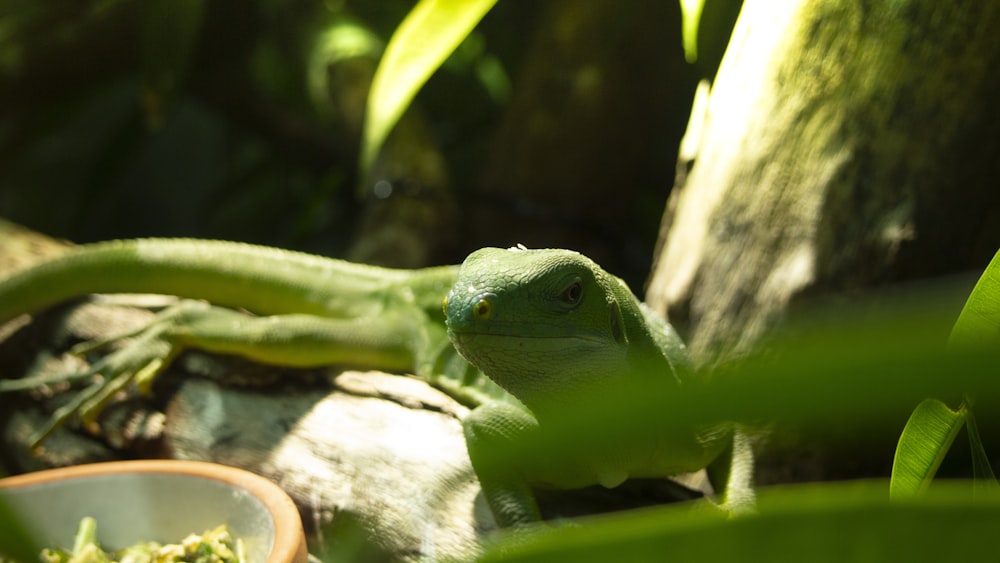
483, 309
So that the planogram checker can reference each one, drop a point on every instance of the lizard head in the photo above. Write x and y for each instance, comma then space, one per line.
540, 323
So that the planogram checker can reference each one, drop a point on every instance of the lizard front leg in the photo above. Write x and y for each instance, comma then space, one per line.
489, 429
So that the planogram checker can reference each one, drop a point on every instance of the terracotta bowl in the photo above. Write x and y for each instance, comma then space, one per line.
159, 500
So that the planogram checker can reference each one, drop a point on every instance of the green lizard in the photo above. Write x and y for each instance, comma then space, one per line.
313, 311
551, 327
540, 323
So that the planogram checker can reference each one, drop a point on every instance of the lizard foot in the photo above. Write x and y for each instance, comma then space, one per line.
143, 355
293, 340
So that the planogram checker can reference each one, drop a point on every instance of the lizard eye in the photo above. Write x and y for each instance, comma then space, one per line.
572, 293
483, 309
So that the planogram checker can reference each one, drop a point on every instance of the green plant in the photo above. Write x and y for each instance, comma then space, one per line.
933, 426
857, 371
428, 35
16, 542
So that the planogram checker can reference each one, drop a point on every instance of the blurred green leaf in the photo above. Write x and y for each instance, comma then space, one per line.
979, 321
829, 522
15, 541
926, 439
343, 39
690, 20
854, 369
425, 38
979, 324
851, 369
493, 76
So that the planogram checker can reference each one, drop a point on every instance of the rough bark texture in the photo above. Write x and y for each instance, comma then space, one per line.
384, 450
845, 145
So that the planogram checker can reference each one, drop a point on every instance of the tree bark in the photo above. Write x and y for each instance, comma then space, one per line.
844, 146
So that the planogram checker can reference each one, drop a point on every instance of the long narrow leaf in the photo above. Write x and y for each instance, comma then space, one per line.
979, 321
16, 542
979, 325
690, 22
425, 38
859, 371
925, 441
829, 522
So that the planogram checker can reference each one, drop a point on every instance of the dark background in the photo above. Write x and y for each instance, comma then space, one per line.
555, 124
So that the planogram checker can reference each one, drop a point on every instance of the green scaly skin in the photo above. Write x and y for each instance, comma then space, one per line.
548, 326
551, 327
315, 311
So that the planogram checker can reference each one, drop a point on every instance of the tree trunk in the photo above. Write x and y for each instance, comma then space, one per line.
845, 145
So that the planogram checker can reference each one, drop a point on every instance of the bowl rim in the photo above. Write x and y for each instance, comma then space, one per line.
289, 537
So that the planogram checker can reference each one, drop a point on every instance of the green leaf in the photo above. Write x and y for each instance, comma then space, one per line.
979, 321
690, 20
982, 472
344, 39
425, 38
853, 371
925, 441
978, 325
15, 541
828, 522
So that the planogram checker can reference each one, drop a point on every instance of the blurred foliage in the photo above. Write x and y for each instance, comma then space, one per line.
198, 118
16, 542
228, 119
557, 123
811, 523
933, 426
850, 369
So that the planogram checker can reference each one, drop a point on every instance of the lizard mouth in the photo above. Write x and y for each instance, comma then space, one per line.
472, 343
517, 335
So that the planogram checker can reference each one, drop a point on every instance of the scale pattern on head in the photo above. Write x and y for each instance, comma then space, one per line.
537, 320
